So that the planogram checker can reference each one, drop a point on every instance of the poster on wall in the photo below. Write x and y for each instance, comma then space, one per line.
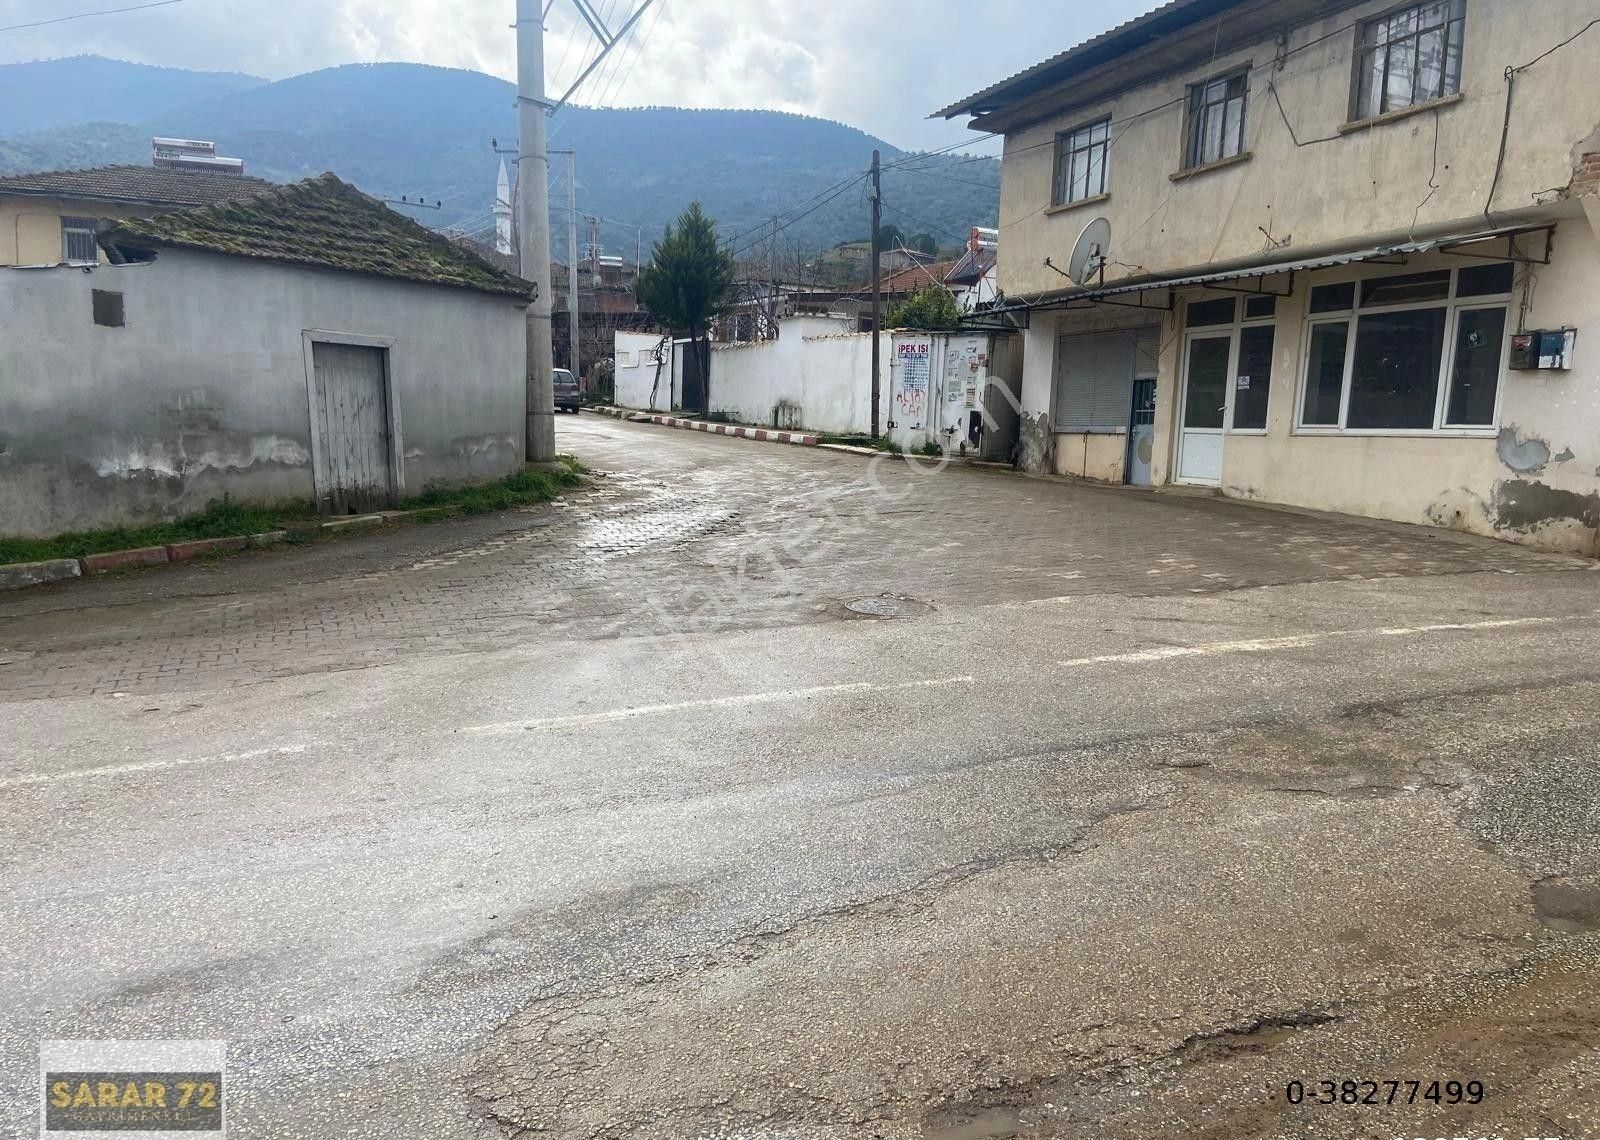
912, 359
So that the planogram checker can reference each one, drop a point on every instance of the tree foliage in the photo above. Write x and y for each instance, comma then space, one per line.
688, 281
933, 309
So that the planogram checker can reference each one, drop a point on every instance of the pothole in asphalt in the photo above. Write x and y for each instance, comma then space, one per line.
888, 606
990, 1124
1568, 905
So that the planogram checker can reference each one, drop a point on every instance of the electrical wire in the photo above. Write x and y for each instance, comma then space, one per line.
928, 227
840, 186
638, 36
785, 225
85, 15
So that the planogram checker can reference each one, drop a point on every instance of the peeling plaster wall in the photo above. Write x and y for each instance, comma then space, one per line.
203, 392
1532, 480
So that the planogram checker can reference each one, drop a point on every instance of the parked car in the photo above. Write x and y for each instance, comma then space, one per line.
566, 390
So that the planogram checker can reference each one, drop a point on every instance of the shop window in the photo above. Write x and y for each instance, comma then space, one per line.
1411, 356
1333, 298
1394, 381
1205, 313
1325, 373
1253, 380
1263, 306
1475, 373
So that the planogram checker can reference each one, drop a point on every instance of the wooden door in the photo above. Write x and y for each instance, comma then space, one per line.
351, 418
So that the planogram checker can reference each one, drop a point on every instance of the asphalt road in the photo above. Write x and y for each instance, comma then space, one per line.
612, 819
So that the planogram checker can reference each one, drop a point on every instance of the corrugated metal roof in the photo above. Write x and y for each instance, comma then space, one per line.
1275, 268
1108, 45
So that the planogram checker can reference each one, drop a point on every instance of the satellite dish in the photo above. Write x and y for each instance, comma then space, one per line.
1089, 255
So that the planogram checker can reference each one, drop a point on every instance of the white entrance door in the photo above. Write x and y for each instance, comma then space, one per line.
1208, 362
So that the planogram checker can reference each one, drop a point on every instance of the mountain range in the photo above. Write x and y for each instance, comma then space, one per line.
410, 129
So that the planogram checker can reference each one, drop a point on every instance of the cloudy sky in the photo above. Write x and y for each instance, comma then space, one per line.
881, 65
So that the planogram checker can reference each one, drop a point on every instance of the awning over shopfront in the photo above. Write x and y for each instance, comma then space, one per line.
1476, 244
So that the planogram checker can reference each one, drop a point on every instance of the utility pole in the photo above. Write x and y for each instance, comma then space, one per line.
772, 281
533, 216
875, 192
573, 357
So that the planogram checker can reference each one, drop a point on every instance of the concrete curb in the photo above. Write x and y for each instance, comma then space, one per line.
739, 431
16, 575
119, 559
183, 551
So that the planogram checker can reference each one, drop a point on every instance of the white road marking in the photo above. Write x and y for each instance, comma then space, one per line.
1301, 641
148, 766
771, 697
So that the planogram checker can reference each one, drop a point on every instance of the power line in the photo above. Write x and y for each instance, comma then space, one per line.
85, 15
958, 181
798, 217
637, 44
928, 227
843, 184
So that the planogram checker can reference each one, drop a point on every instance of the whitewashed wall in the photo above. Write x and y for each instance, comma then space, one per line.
203, 392
638, 386
817, 375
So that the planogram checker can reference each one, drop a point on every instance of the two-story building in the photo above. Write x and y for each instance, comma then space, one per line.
1352, 260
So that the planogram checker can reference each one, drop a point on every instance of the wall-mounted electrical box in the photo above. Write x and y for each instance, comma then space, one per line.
1542, 348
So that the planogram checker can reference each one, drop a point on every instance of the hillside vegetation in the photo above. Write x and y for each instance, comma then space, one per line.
399, 128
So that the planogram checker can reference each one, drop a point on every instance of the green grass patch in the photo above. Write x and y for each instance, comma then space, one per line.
225, 517
530, 485
222, 518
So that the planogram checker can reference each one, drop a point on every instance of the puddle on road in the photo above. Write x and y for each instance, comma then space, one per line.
1568, 905
990, 1124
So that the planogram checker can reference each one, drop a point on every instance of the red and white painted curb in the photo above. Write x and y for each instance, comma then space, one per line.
766, 435
15, 575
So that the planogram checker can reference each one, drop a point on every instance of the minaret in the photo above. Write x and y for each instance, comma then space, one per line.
502, 213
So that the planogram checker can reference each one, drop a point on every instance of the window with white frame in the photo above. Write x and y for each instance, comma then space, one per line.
78, 240
1408, 57
1081, 157
1407, 352
1216, 119
1237, 401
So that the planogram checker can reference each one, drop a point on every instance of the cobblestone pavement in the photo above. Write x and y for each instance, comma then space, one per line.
684, 533
1153, 804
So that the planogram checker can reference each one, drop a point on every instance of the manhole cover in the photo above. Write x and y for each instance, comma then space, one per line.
886, 606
